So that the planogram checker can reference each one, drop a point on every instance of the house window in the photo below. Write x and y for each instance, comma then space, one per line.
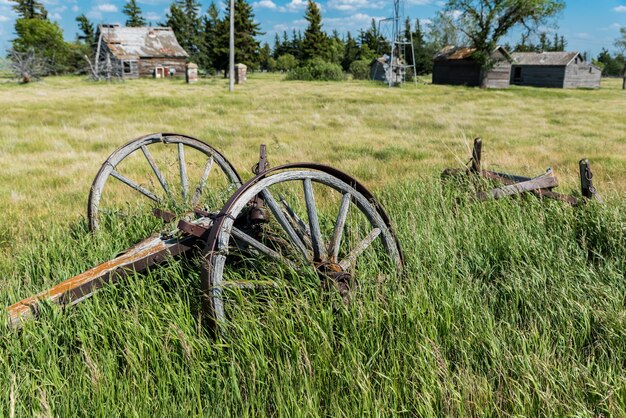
517, 75
128, 69
576, 61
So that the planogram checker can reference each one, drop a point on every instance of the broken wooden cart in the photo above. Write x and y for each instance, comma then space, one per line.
298, 216
541, 186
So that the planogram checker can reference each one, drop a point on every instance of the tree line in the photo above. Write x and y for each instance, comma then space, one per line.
204, 35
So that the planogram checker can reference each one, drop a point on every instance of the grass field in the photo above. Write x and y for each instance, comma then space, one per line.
513, 307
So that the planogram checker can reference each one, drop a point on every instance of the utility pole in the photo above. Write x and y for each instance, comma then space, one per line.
231, 57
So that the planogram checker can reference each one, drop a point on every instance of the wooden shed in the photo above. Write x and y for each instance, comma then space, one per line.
142, 51
554, 69
455, 66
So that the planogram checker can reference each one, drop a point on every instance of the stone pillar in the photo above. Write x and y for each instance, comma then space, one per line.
191, 73
240, 73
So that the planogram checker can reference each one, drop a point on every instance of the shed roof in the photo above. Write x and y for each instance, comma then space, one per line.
544, 58
463, 52
142, 42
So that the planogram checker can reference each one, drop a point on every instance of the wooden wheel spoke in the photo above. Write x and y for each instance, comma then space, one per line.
284, 223
335, 241
155, 169
205, 175
134, 186
316, 235
358, 250
240, 235
184, 182
301, 228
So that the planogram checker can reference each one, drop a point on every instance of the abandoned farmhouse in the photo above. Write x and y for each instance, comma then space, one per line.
142, 51
455, 66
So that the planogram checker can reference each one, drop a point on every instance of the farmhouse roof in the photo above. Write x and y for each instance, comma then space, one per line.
544, 58
142, 42
464, 52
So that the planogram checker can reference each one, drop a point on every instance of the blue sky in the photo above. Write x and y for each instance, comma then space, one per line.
588, 25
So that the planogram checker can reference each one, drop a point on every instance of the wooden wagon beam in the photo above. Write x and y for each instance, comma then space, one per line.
545, 181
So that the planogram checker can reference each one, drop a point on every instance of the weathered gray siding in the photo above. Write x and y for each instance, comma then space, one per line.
147, 65
499, 76
538, 75
582, 75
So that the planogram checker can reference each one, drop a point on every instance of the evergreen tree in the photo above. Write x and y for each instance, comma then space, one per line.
350, 52
266, 62
88, 31
30, 9
246, 45
277, 50
210, 38
315, 42
133, 12
374, 41
183, 18
296, 45
423, 51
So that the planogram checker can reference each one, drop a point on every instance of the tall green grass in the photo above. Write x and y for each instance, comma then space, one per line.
514, 307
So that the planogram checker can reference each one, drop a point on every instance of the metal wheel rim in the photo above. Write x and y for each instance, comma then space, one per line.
217, 244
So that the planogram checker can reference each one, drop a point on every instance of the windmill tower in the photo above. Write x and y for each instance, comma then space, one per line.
400, 49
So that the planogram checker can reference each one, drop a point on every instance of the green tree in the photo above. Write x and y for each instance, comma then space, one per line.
486, 22
88, 31
620, 43
30, 9
183, 17
423, 51
210, 38
350, 52
286, 62
373, 39
443, 31
133, 12
246, 31
266, 62
44, 37
315, 41
336, 48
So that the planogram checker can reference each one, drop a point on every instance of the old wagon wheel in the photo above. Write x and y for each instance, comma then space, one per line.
316, 217
167, 171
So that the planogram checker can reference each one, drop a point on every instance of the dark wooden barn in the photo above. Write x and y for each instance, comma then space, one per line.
142, 51
554, 69
455, 66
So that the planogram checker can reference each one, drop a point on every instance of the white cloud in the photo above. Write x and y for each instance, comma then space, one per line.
354, 22
620, 9
4, 18
295, 5
152, 16
56, 16
265, 4
351, 5
106, 8
75, 8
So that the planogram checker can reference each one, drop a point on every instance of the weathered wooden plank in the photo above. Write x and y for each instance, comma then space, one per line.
543, 182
